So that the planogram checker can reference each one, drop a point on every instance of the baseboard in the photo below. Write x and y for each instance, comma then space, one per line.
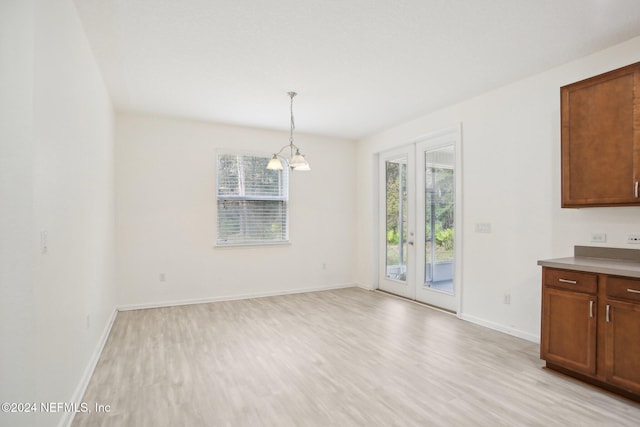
365, 287
231, 297
78, 394
482, 322
500, 328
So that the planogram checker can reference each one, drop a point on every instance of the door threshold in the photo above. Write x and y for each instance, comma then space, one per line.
424, 304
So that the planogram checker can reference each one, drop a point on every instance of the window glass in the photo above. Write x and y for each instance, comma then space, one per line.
252, 200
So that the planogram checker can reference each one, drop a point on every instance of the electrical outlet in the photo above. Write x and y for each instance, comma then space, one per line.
507, 299
163, 278
598, 237
633, 239
44, 242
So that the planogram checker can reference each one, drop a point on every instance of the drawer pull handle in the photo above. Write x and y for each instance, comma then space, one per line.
608, 318
635, 189
590, 308
573, 282
633, 291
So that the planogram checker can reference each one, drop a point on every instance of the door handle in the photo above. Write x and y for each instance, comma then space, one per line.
591, 308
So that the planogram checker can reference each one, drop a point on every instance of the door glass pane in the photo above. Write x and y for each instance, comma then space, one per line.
396, 219
439, 214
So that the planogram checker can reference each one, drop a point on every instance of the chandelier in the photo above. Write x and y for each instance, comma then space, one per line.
296, 161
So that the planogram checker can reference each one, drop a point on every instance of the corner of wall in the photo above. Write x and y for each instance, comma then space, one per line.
81, 388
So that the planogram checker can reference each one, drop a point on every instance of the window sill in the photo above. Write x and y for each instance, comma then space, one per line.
250, 244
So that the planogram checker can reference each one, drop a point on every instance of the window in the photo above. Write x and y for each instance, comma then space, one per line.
252, 200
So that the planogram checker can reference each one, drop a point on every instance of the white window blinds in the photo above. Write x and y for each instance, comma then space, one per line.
252, 200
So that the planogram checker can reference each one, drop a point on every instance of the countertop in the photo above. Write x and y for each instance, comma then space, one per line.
599, 260
595, 265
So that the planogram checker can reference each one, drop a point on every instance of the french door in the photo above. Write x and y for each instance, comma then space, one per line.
397, 221
419, 220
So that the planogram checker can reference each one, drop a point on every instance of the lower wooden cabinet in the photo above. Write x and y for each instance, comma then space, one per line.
569, 336
591, 327
622, 331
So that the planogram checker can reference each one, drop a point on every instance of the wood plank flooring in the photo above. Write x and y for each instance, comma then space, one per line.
347, 357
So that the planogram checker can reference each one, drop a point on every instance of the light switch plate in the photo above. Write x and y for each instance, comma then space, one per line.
483, 227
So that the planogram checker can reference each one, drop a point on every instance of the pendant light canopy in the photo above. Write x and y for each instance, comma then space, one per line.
296, 161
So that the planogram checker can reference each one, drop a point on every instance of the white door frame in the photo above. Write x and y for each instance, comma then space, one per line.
410, 288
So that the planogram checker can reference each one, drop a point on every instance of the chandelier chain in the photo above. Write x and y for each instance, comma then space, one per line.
293, 126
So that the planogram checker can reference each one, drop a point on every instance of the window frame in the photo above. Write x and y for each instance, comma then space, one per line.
284, 189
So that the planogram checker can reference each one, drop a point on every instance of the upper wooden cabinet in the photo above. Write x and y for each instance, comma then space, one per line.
601, 139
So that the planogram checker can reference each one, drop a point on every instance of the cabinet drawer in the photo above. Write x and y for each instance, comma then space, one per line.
572, 280
623, 288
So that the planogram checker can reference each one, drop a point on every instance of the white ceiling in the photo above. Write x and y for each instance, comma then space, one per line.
359, 66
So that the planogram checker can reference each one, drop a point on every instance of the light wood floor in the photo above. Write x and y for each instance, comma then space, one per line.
338, 358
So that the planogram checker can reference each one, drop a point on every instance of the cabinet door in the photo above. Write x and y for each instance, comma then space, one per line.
600, 144
622, 363
569, 330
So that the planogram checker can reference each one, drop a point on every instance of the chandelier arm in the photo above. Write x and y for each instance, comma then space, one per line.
284, 148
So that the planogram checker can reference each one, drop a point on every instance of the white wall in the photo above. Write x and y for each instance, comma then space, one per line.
511, 179
64, 184
17, 321
166, 218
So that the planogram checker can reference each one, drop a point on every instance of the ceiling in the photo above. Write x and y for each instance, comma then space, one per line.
359, 66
